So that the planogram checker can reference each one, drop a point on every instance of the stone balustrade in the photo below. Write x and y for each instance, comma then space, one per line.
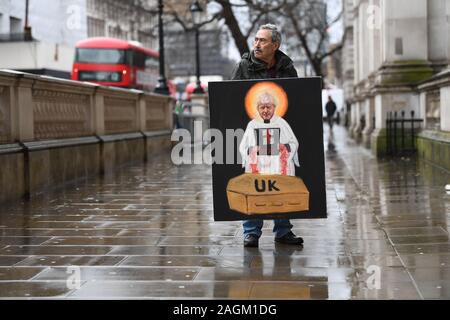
39, 108
4, 128
53, 130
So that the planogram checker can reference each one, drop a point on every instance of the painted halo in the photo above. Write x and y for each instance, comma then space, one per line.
266, 87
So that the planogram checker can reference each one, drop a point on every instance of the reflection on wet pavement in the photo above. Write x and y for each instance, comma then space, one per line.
147, 232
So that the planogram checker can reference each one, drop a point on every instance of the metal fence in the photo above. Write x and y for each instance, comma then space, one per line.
401, 133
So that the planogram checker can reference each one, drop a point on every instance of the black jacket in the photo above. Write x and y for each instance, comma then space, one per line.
331, 108
252, 68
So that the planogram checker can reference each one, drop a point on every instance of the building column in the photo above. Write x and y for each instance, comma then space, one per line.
404, 32
369, 106
423, 108
99, 113
22, 110
363, 41
404, 55
353, 116
356, 133
356, 53
445, 108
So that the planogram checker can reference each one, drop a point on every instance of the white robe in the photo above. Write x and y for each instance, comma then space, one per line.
270, 164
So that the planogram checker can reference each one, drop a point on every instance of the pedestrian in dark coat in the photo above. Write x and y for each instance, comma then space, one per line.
331, 109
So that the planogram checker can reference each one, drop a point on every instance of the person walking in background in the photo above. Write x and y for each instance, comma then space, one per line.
331, 109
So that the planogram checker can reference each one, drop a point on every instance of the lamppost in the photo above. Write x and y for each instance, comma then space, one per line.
196, 11
162, 87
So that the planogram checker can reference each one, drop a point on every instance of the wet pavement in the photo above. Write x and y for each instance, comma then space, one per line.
147, 232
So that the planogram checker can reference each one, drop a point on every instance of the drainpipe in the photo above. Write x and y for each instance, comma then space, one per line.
27, 30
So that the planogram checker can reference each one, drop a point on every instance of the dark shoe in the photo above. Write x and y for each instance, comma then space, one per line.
290, 239
251, 241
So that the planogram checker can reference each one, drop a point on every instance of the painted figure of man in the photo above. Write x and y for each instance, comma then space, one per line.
269, 145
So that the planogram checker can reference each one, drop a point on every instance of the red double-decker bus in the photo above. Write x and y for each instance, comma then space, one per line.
114, 62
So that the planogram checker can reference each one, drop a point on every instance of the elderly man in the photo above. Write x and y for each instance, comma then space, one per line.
266, 61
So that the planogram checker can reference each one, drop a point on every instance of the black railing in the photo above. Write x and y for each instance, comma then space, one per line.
401, 133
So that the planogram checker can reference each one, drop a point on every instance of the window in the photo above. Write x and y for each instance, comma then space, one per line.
139, 59
106, 56
151, 63
146, 39
15, 25
399, 46
96, 27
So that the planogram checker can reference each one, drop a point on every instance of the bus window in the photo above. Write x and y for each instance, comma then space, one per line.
139, 60
148, 73
103, 56
152, 63
102, 76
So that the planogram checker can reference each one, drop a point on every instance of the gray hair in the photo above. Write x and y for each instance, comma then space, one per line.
266, 99
276, 34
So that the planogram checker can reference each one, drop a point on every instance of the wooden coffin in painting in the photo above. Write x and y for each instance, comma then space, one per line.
255, 194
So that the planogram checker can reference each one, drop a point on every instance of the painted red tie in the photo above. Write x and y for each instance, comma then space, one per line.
269, 138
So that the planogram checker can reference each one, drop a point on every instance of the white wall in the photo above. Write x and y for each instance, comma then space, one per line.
36, 55
399, 102
439, 29
447, 16
52, 21
56, 24
445, 109
405, 20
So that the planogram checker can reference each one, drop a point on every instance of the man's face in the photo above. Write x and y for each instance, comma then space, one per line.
263, 46
266, 111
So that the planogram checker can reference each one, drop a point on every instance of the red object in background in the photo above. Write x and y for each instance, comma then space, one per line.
172, 88
118, 63
191, 87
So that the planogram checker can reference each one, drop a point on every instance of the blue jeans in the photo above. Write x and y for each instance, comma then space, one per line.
282, 227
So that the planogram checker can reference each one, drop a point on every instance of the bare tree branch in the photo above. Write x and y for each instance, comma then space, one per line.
306, 21
311, 26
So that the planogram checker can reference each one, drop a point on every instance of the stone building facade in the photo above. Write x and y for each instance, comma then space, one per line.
57, 25
180, 47
127, 20
398, 55
60, 22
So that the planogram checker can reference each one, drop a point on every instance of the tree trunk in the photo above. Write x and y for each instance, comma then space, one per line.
317, 67
233, 25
